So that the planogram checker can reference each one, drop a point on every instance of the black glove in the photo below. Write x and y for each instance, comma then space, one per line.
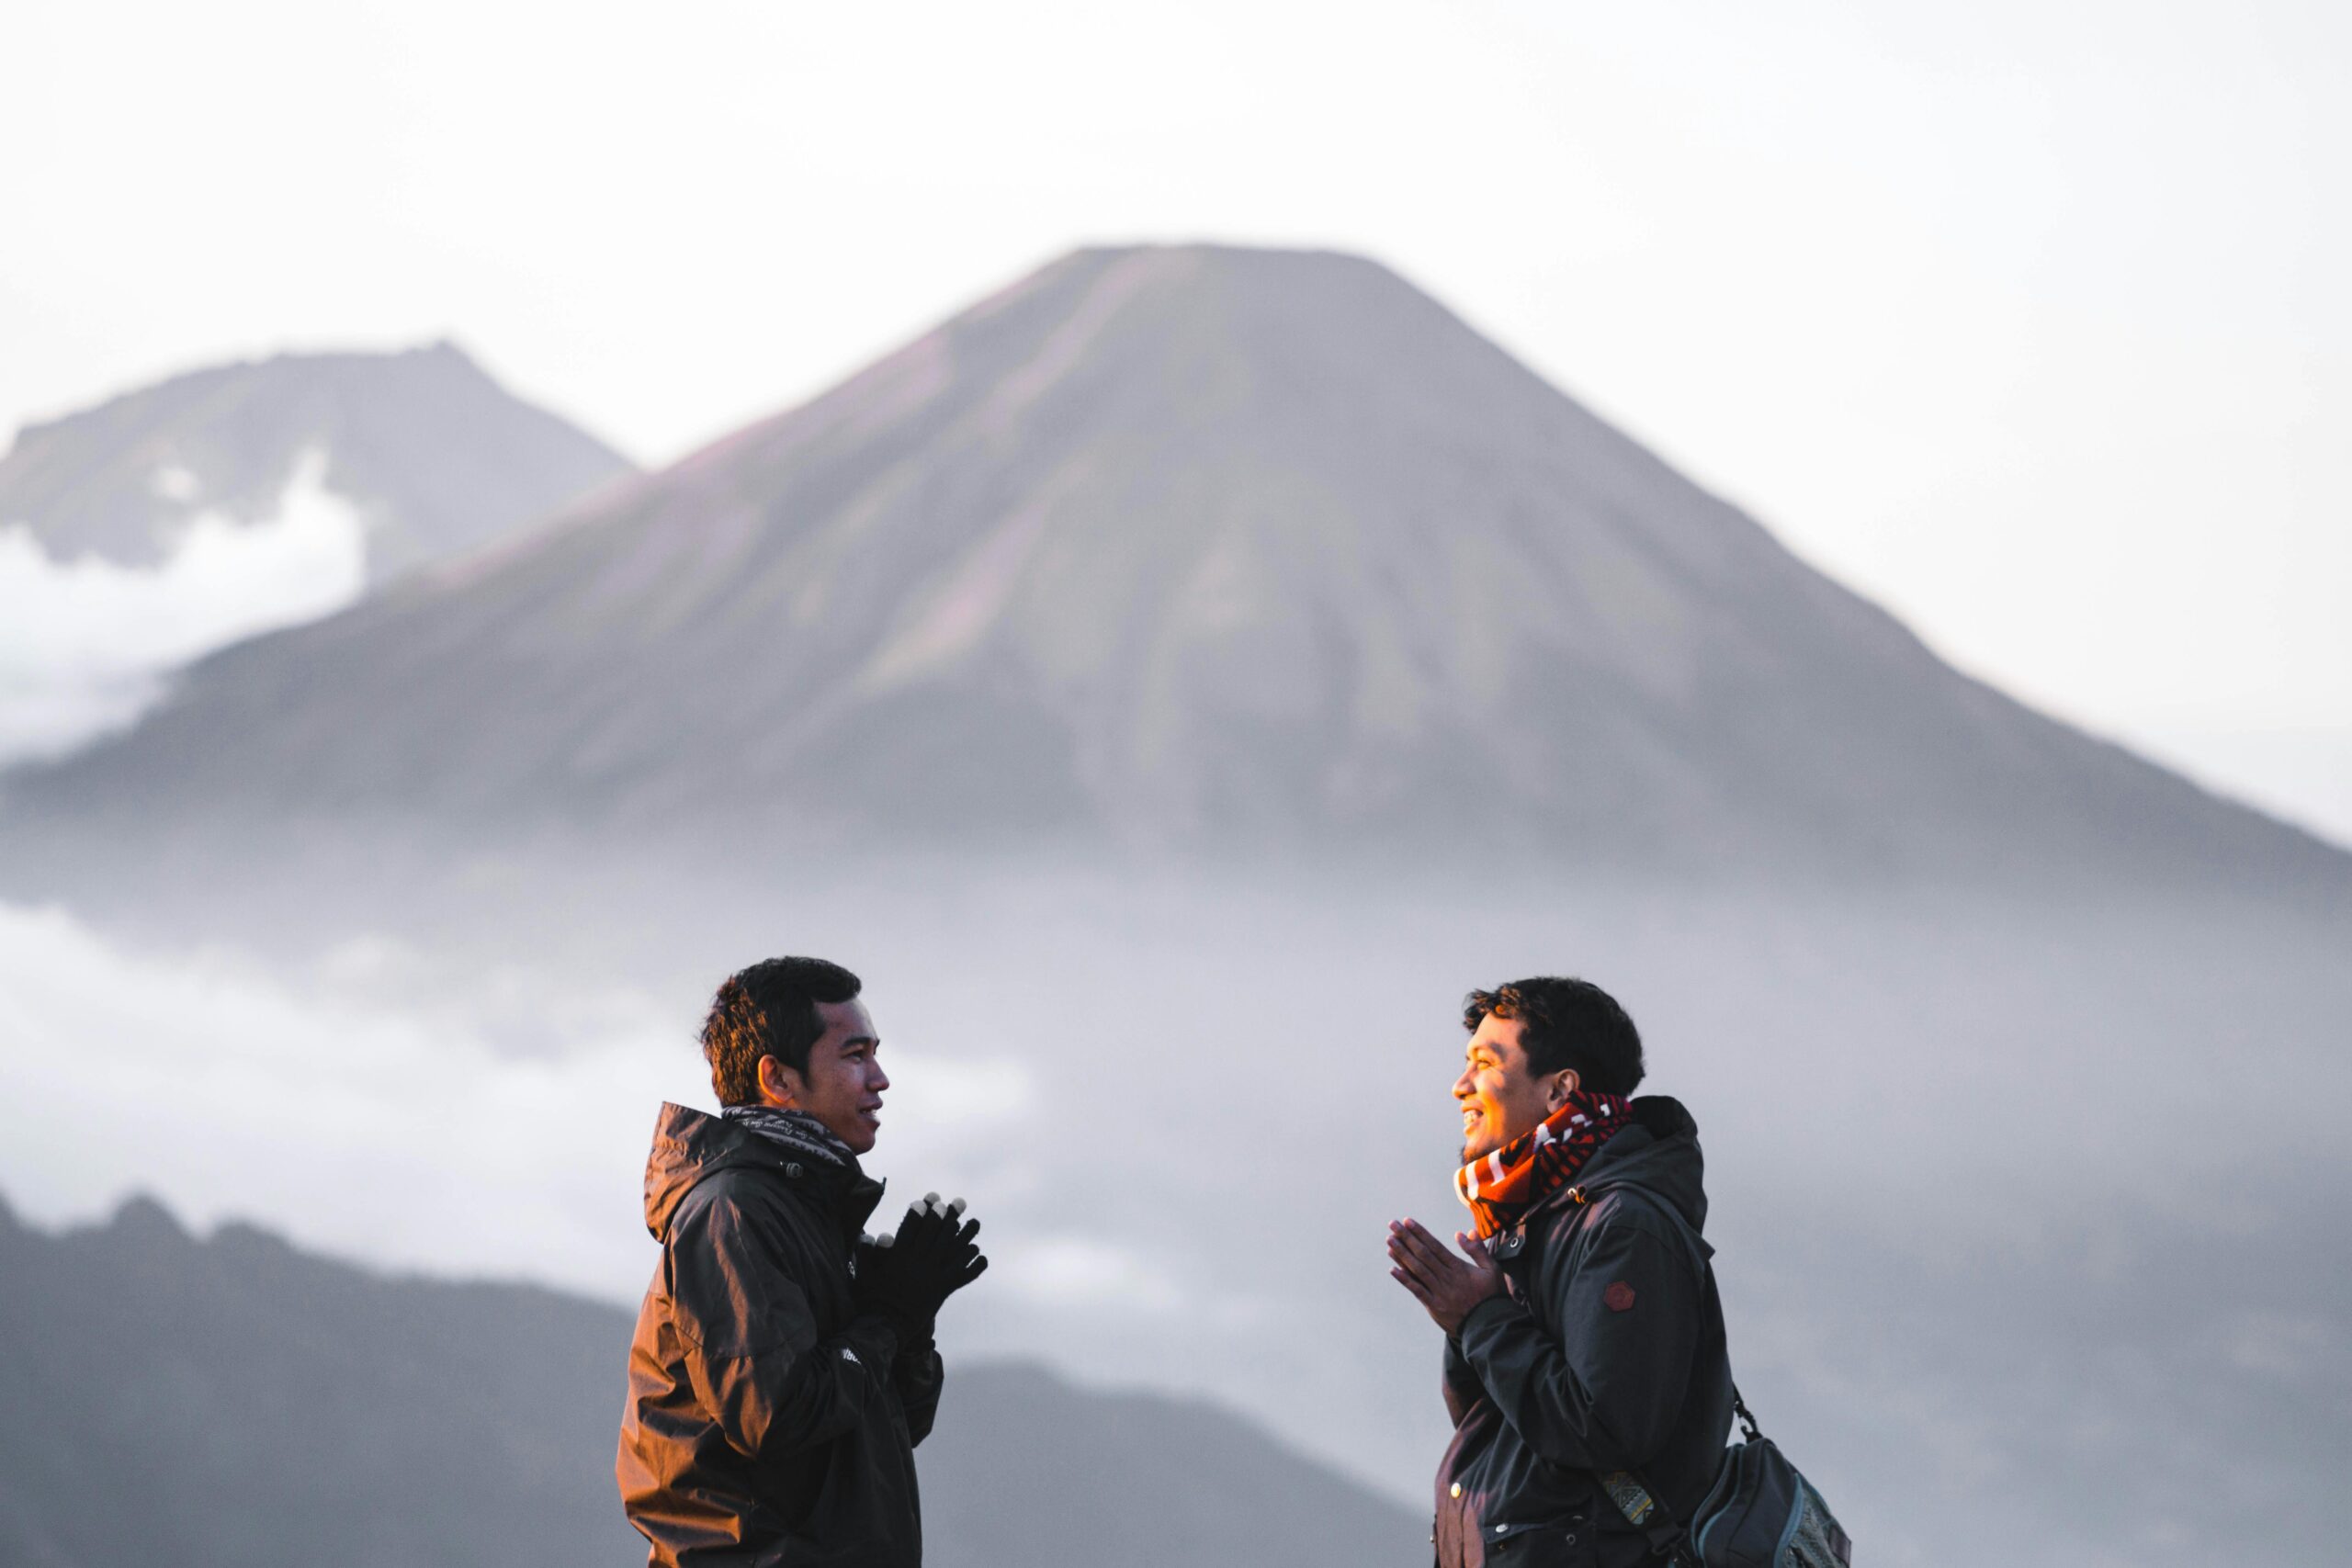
903, 1279
940, 1232
889, 1288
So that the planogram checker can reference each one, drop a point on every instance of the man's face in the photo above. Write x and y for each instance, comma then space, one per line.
842, 1087
1500, 1099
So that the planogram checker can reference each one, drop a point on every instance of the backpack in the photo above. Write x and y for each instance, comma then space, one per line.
1760, 1512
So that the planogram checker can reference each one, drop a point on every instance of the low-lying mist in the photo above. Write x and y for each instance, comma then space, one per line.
87, 645
2030, 1217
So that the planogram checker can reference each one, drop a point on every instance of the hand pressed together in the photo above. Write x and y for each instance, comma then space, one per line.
905, 1278
1446, 1285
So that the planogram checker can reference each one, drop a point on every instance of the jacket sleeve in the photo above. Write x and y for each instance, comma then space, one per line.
1603, 1393
1462, 1386
917, 1375
751, 1347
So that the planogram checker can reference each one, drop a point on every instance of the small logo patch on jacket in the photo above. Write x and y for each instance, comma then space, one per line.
1618, 1297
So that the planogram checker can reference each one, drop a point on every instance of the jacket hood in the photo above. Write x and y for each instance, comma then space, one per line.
1658, 1152
689, 1145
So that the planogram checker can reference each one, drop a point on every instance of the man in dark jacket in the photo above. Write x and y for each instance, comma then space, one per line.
1585, 1362
784, 1369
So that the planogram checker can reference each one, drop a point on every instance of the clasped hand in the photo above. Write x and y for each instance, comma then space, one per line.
1445, 1285
908, 1276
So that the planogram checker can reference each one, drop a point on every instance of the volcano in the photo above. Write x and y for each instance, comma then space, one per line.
1189, 550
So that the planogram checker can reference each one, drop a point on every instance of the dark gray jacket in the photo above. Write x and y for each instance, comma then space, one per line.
1606, 1353
768, 1425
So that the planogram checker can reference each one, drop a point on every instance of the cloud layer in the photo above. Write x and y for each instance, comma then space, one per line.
86, 645
378, 1129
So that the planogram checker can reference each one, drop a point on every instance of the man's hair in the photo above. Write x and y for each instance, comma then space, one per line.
768, 1010
1566, 1024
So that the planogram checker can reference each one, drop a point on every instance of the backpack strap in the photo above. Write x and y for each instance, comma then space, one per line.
1646, 1513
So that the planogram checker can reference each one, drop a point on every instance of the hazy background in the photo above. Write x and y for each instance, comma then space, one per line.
2021, 1098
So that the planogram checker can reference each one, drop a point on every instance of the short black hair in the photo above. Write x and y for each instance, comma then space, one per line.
1566, 1023
768, 1010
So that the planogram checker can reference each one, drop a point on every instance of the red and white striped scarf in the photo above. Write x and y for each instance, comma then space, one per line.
1500, 1186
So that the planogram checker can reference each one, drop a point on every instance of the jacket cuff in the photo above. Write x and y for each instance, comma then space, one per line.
883, 1336
1466, 1333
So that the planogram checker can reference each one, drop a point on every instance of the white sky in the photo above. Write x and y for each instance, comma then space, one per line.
2026, 319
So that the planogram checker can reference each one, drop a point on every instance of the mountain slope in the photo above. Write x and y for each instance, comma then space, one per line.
232, 1401
436, 456
1179, 547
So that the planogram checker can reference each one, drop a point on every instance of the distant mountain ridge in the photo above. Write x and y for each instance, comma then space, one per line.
1192, 549
437, 456
232, 1402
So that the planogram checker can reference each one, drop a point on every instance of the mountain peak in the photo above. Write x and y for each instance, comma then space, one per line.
142, 1220
433, 454
1177, 546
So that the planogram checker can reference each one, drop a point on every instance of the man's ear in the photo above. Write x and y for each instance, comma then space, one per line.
1563, 1084
779, 1085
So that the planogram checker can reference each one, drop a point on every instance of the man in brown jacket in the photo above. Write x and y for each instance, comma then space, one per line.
784, 1369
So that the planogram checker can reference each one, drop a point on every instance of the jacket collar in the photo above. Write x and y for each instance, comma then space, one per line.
1657, 1150
691, 1145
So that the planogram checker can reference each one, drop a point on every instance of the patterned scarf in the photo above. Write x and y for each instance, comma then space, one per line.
1500, 1186
794, 1129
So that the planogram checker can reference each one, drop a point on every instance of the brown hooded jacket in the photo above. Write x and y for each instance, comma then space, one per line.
769, 1423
